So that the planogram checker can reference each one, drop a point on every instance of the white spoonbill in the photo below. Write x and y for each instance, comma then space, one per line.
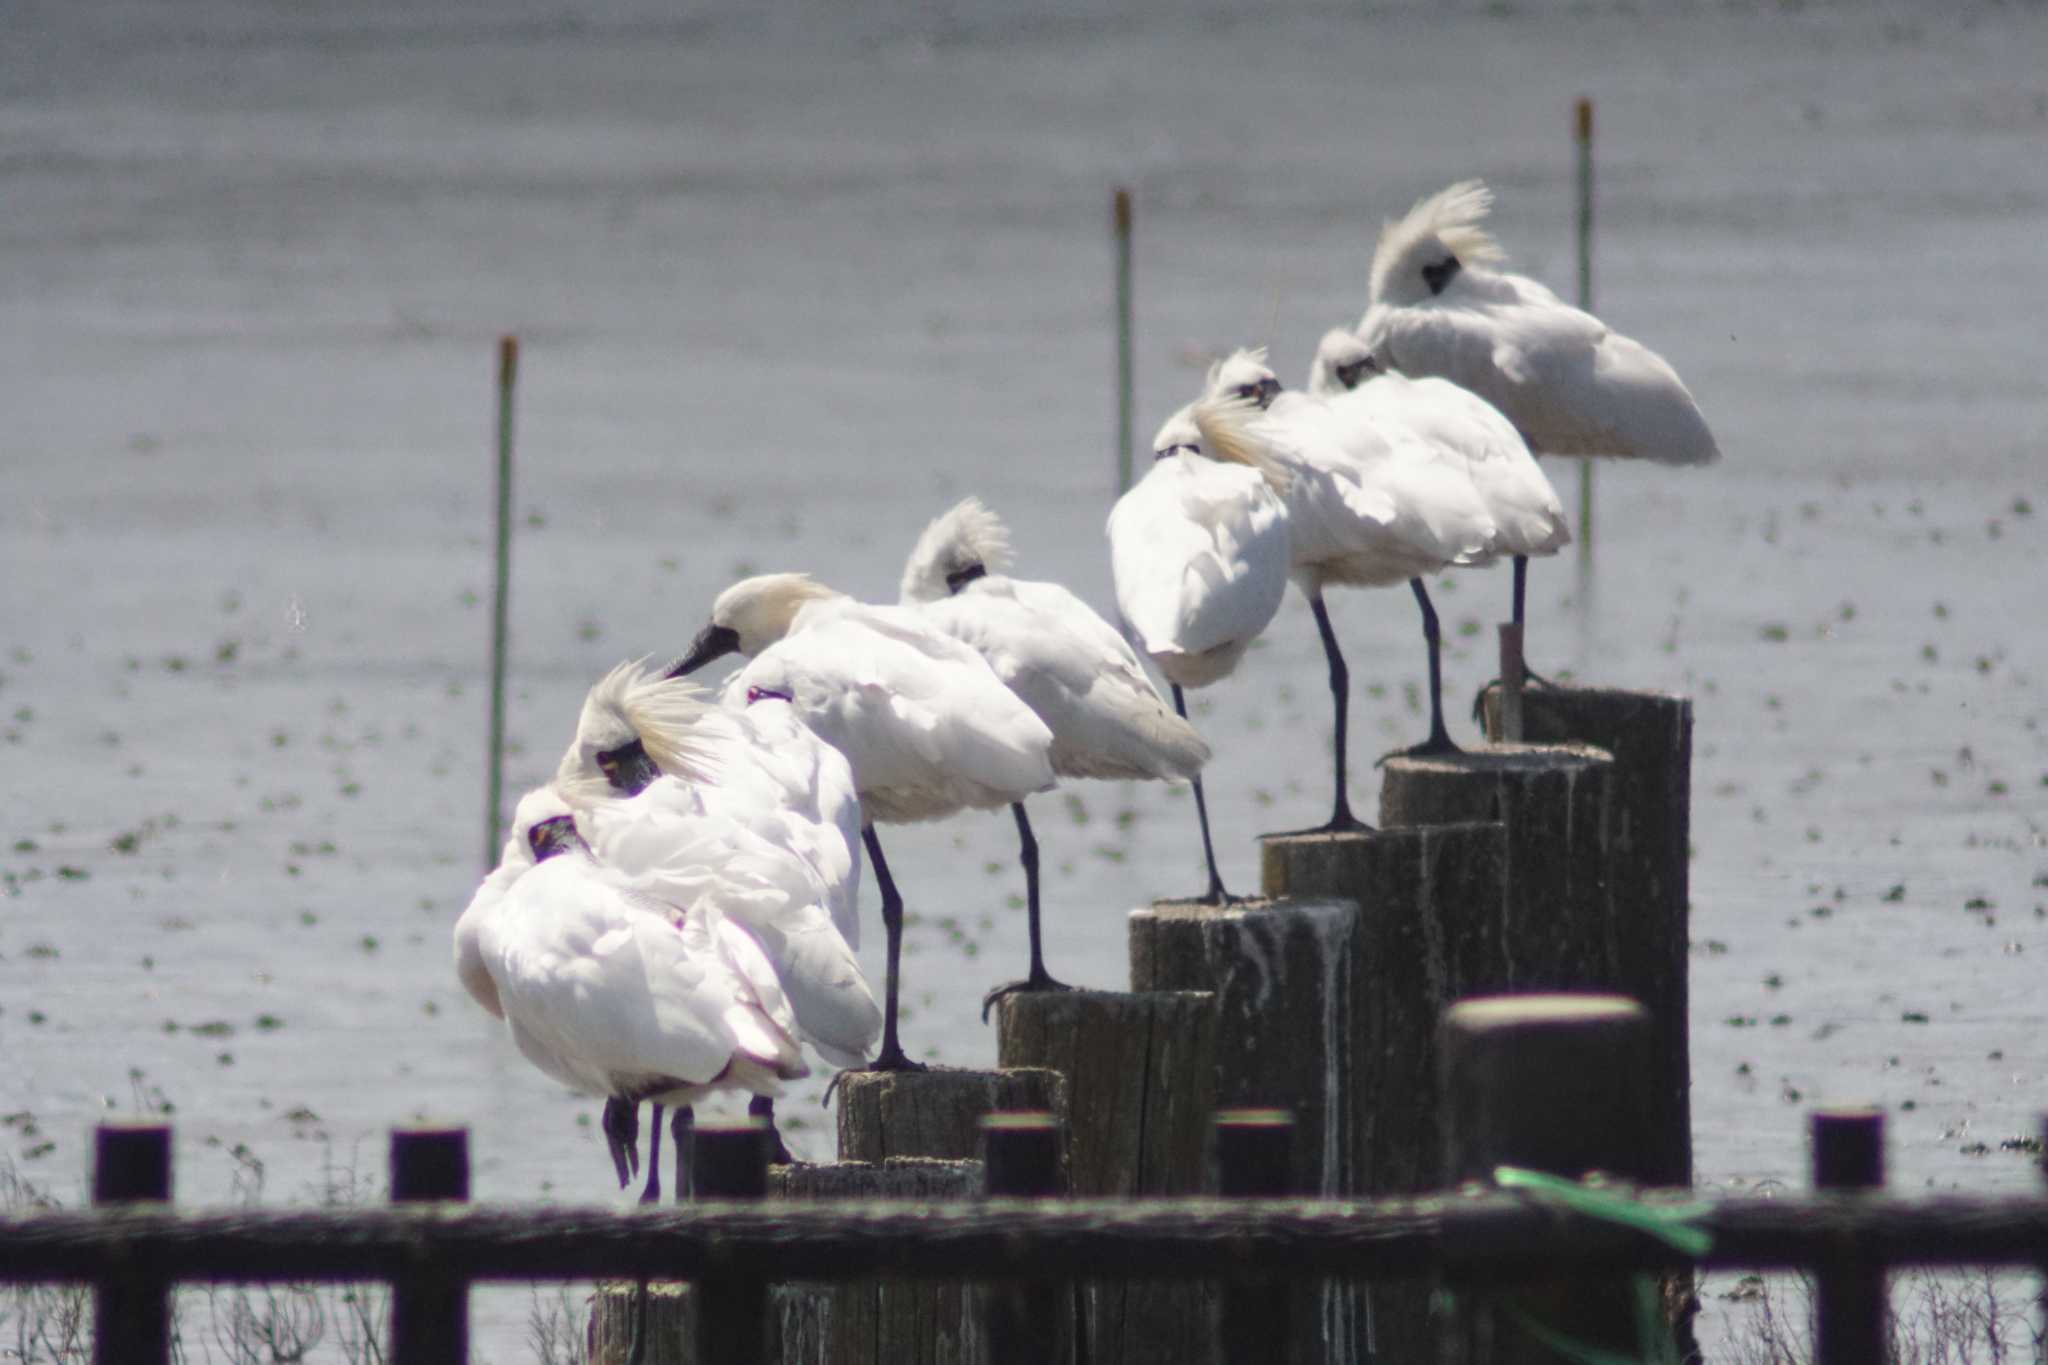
1570, 384
1369, 504
634, 988
928, 728
1065, 662
1528, 518
1198, 551
653, 739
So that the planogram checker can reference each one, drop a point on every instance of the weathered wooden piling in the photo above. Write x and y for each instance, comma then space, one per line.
1427, 932
1253, 1158
935, 1113
1550, 1083
877, 1322
1141, 1083
1649, 844
1849, 1302
1284, 974
131, 1315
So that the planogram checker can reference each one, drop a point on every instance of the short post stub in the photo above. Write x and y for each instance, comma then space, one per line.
1255, 1160
1553, 1083
131, 1314
1513, 677
1849, 1298
729, 1160
1028, 1322
429, 1309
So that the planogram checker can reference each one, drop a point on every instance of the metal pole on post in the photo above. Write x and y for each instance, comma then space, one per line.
1120, 222
1849, 1302
1026, 1320
730, 1161
1255, 1160
429, 1309
494, 758
131, 1314
1582, 138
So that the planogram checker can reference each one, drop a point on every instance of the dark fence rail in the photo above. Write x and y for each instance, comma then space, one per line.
1489, 1236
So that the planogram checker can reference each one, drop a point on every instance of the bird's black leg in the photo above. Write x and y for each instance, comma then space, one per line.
1215, 895
892, 1057
679, 1129
621, 1124
1342, 821
762, 1107
653, 1191
1038, 979
1439, 741
1521, 586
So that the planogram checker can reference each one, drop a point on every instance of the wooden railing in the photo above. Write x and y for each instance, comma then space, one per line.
430, 1245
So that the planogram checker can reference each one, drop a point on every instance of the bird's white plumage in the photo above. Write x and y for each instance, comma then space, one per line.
1061, 659
640, 988
927, 728
1528, 517
1570, 384
1199, 550
1369, 503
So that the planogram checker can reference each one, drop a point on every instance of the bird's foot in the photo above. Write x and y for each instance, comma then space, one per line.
1436, 746
1039, 980
1216, 896
1343, 822
778, 1150
1532, 681
893, 1059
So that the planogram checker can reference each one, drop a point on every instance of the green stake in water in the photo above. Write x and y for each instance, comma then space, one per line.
494, 760
1121, 231
1582, 135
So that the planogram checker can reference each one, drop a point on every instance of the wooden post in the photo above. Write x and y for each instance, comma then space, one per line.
1284, 977
1649, 851
1428, 932
877, 1322
1254, 1160
501, 597
1849, 1300
1029, 1322
1141, 1082
1551, 1083
935, 1113
429, 1309
132, 1314
1513, 671
729, 1161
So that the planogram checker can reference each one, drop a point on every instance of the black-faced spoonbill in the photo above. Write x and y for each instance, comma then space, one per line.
1569, 383
1528, 518
654, 740
1369, 504
928, 728
1199, 553
1066, 663
634, 988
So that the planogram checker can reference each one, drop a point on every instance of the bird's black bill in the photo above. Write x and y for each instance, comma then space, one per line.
549, 837
628, 768
712, 642
1269, 389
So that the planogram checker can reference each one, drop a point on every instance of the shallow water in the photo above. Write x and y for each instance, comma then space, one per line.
788, 284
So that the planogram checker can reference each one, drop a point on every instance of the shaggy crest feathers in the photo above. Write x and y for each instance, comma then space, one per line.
1225, 422
671, 717
1245, 365
1177, 430
1445, 223
965, 535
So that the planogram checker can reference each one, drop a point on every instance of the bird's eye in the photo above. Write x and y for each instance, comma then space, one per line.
1250, 391
1349, 375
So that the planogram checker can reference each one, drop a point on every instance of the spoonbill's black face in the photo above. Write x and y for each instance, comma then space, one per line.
1438, 275
755, 694
628, 768
1168, 452
960, 578
712, 642
1353, 372
552, 836
1263, 393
